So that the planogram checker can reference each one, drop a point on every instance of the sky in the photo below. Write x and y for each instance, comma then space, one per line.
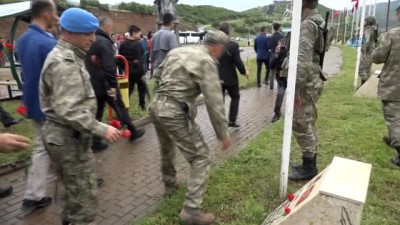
241, 5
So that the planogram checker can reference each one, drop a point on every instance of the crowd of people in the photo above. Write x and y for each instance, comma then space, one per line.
70, 74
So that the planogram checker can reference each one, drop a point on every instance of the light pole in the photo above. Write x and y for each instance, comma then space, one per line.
387, 16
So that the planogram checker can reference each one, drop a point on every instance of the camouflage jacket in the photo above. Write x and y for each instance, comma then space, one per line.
369, 40
188, 72
66, 94
310, 46
388, 52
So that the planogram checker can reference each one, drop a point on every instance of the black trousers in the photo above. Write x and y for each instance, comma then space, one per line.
282, 84
233, 91
135, 79
119, 108
259, 68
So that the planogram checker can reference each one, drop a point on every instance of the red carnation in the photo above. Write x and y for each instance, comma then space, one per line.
22, 110
9, 46
126, 133
115, 123
287, 210
290, 197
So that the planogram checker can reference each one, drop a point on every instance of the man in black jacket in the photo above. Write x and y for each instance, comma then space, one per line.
133, 52
228, 75
100, 63
273, 42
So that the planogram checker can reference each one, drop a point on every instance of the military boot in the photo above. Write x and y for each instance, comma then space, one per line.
296, 167
396, 159
170, 189
306, 171
194, 216
387, 140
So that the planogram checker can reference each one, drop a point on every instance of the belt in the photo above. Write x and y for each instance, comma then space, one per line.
165, 98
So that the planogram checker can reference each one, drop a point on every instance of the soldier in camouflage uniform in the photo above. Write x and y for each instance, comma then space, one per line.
309, 87
388, 53
69, 103
368, 45
173, 111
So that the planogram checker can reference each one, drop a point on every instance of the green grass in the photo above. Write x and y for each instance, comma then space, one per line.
244, 188
135, 112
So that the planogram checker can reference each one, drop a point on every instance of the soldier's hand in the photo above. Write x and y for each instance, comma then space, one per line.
226, 142
112, 134
12, 142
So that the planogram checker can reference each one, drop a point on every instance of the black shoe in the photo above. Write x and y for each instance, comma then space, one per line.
138, 134
5, 191
13, 122
387, 141
99, 147
233, 124
99, 182
275, 118
65, 222
29, 206
258, 85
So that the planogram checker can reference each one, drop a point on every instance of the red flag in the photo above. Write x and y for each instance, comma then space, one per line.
356, 5
336, 14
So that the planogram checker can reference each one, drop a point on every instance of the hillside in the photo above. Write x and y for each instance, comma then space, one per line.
205, 14
381, 10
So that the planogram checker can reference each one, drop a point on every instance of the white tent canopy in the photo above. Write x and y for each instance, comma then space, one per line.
15, 9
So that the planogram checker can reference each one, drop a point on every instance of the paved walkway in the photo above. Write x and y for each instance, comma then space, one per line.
133, 186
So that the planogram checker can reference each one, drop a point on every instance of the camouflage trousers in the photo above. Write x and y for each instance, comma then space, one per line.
176, 129
391, 114
304, 120
74, 163
365, 67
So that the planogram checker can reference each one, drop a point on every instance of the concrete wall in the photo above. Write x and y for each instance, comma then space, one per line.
122, 21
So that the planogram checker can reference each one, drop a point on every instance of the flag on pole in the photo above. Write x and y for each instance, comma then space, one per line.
336, 14
355, 6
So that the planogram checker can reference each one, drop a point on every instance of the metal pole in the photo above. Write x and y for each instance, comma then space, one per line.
359, 45
345, 26
290, 91
358, 16
370, 8
387, 16
352, 22
338, 28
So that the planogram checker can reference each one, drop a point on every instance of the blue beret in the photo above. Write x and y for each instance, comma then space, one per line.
78, 21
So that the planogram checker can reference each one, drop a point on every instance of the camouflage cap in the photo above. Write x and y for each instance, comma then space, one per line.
216, 37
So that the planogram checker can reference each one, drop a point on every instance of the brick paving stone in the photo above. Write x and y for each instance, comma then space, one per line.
133, 186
